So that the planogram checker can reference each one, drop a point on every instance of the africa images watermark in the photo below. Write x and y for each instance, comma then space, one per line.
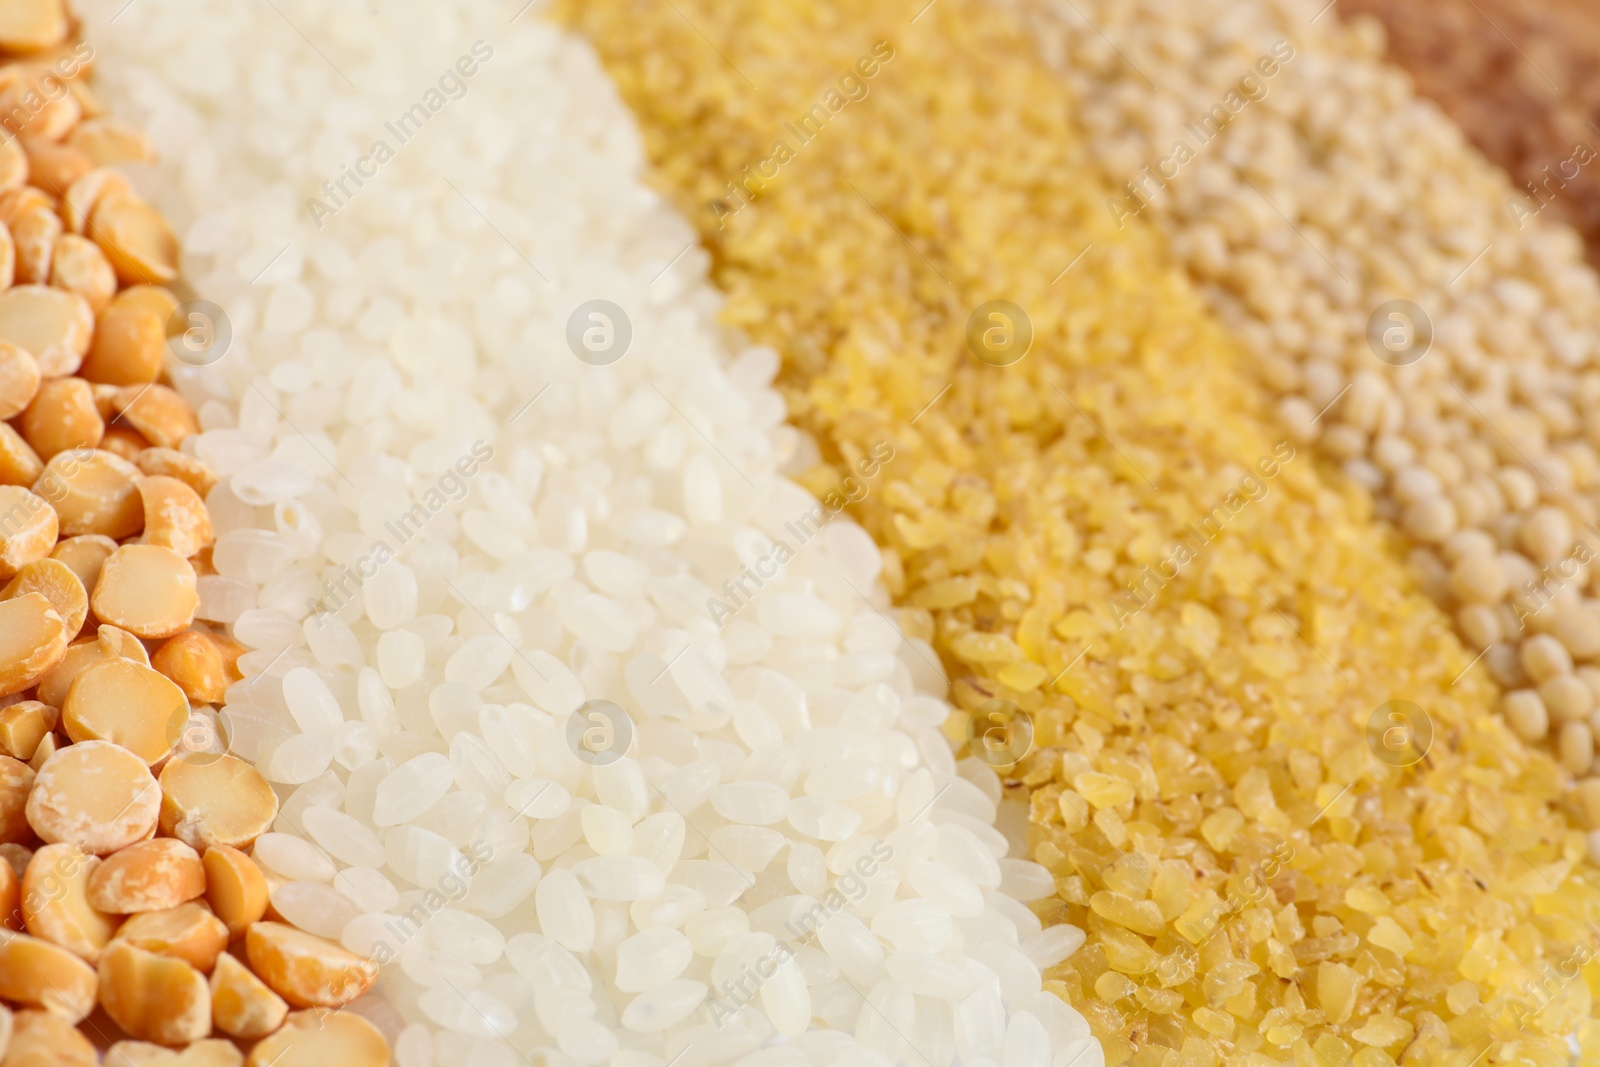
1541, 591
451, 86
1198, 536
48, 491
1535, 996
450, 487
452, 888
853, 88
1253, 890
849, 888
1543, 193
1251, 88
802, 528
23, 101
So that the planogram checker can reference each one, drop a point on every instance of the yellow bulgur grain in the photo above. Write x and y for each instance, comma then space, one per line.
1338, 206
1209, 788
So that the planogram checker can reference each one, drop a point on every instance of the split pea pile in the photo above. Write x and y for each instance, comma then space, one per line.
124, 827
1259, 884
1438, 349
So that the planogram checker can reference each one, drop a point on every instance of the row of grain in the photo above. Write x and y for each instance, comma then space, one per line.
1436, 346
135, 919
588, 725
1522, 80
1100, 526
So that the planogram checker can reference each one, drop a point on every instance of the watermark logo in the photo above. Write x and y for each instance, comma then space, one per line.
197, 736
599, 732
1399, 733
33, 95
452, 888
853, 87
1543, 191
1542, 590
741, 589
1399, 332
451, 85
1198, 535
451, 487
999, 732
198, 333
1198, 134
851, 887
1253, 890
999, 333
599, 332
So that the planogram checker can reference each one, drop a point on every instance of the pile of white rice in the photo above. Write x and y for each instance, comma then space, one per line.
445, 536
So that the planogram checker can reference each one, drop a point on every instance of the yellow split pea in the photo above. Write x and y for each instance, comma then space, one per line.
1258, 885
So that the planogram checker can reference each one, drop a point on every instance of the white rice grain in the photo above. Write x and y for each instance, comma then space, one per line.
579, 817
